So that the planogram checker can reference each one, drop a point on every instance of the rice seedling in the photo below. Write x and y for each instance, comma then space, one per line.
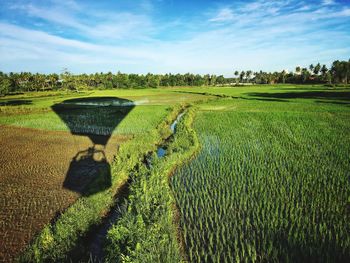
271, 183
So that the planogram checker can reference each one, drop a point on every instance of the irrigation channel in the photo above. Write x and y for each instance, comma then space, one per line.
94, 241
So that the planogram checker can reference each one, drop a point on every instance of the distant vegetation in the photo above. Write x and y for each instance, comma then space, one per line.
338, 73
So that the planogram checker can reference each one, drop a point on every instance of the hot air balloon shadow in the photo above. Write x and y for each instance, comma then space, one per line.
95, 117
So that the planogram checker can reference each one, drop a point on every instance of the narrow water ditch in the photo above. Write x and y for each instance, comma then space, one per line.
93, 243
161, 151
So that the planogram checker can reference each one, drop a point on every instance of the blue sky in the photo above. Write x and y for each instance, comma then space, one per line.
160, 36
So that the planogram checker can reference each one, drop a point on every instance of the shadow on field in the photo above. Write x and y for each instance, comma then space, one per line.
15, 102
324, 95
307, 250
308, 88
345, 103
230, 96
96, 118
265, 99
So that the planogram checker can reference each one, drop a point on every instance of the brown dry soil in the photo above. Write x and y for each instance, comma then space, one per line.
34, 189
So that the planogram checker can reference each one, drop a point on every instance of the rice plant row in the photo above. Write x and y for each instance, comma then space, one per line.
267, 187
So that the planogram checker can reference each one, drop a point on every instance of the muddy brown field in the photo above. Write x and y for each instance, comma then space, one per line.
42, 173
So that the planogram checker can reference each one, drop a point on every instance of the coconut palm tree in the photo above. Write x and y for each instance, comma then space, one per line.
248, 74
242, 75
311, 67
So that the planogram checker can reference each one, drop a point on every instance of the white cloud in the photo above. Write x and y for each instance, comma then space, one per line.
111, 25
328, 2
264, 5
259, 35
304, 8
224, 15
344, 12
40, 42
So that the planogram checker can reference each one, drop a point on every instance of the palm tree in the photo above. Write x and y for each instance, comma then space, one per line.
324, 71
305, 74
242, 75
213, 80
311, 67
317, 69
283, 75
248, 74
236, 75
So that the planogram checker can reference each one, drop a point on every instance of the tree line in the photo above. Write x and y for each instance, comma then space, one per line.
338, 73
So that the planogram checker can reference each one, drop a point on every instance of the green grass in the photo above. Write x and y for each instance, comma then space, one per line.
271, 182
147, 230
141, 119
280, 93
56, 241
147, 123
33, 110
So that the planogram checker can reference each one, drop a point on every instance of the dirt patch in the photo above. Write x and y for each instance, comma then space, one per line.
39, 171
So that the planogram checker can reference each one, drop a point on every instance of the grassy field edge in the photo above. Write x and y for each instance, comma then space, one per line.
149, 230
56, 240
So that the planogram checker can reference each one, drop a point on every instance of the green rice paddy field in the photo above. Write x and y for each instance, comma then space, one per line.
252, 174
271, 181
